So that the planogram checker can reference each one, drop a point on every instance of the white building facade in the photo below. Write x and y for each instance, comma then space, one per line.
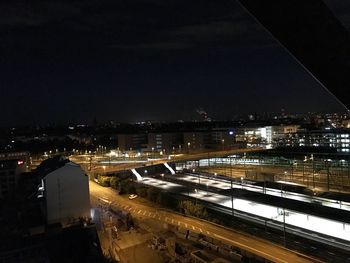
66, 194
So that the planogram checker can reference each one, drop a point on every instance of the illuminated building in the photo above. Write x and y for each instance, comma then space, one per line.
64, 189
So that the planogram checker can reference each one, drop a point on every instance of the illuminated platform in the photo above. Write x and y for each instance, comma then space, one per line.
308, 222
219, 183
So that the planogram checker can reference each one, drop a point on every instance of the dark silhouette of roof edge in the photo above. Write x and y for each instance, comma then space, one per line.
313, 36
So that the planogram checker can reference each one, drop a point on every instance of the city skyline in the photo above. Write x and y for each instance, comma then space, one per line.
147, 60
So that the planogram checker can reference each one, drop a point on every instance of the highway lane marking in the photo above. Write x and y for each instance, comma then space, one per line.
179, 223
186, 225
172, 221
139, 212
193, 228
256, 250
149, 213
144, 213
200, 229
130, 208
208, 232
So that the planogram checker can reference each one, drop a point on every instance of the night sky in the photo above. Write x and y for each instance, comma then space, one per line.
130, 60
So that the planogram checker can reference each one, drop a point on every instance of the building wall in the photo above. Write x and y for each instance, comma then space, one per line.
216, 139
128, 142
194, 141
170, 142
66, 192
340, 140
10, 170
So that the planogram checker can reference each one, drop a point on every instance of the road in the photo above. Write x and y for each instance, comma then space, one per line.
254, 245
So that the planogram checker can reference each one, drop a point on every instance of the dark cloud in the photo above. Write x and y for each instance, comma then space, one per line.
134, 59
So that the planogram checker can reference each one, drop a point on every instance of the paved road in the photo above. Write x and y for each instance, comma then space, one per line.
249, 243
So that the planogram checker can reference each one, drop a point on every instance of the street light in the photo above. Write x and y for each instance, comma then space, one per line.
223, 144
285, 176
188, 147
313, 170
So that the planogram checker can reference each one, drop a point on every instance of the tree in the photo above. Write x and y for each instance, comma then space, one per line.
114, 182
152, 194
103, 180
189, 208
141, 191
126, 186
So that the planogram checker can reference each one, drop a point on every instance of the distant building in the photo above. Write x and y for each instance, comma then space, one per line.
12, 165
130, 142
64, 189
266, 136
168, 142
214, 139
338, 139
194, 141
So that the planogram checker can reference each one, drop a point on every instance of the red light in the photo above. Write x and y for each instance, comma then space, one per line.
20, 162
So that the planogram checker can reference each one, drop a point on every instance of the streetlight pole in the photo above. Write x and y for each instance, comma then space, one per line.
328, 186
284, 226
233, 207
196, 195
313, 170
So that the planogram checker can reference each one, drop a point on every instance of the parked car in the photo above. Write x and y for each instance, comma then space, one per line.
132, 196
